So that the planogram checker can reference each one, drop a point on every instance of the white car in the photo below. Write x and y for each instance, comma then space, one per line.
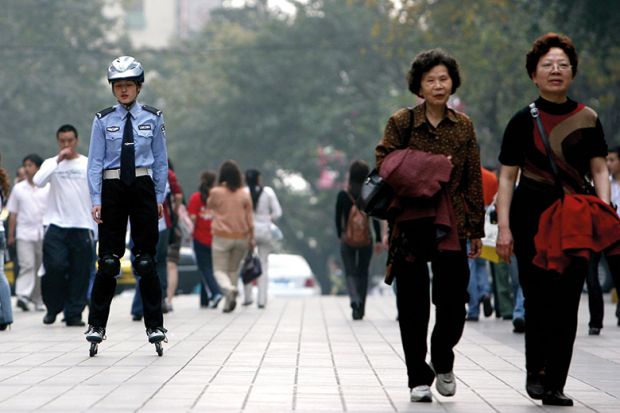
290, 274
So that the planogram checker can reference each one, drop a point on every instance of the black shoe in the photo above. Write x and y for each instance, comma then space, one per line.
4, 326
49, 318
356, 311
75, 322
594, 331
22, 304
507, 317
487, 307
556, 398
471, 318
518, 325
534, 385
136, 317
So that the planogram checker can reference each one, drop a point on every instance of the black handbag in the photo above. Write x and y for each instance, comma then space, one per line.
376, 195
251, 268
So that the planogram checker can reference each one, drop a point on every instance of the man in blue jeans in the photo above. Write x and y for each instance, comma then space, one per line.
68, 240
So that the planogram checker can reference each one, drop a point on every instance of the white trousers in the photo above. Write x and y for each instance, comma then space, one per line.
30, 257
262, 282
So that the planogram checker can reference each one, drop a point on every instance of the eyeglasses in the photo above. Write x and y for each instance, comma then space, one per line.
561, 66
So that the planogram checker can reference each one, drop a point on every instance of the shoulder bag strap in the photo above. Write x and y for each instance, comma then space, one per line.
543, 134
407, 137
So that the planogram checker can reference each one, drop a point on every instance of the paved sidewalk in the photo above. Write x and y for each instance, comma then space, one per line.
298, 355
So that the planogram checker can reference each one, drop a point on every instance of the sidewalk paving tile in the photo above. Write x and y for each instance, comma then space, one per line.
297, 355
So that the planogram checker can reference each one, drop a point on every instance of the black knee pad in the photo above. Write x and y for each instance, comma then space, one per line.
109, 265
144, 265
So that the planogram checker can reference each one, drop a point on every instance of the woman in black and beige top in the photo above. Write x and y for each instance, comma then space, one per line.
579, 148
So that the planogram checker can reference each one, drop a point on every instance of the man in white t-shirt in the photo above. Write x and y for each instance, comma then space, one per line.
68, 242
27, 206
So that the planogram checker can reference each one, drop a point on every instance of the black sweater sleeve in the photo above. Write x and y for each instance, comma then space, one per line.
343, 204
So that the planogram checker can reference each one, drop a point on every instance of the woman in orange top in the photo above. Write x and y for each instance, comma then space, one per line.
232, 229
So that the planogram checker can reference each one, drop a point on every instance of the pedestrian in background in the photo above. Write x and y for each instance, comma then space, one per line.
127, 171
596, 304
27, 206
174, 242
356, 253
68, 242
6, 311
479, 289
232, 229
202, 218
266, 209
578, 146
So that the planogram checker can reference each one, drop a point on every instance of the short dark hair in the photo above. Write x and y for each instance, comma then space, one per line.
615, 149
230, 174
207, 179
427, 60
34, 158
358, 171
541, 47
66, 128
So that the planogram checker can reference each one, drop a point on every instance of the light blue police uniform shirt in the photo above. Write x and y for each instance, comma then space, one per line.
149, 135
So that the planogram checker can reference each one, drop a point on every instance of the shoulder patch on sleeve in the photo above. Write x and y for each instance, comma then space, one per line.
152, 109
105, 112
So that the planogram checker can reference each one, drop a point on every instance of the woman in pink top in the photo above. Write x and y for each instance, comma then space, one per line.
232, 229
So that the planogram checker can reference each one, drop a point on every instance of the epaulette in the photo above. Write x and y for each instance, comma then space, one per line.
151, 109
104, 112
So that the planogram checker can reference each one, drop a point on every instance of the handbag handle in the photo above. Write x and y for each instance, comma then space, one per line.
543, 134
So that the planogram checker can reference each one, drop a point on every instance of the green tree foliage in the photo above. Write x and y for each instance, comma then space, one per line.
272, 93
54, 55
298, 94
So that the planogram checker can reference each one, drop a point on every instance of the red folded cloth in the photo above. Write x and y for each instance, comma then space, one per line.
575, 227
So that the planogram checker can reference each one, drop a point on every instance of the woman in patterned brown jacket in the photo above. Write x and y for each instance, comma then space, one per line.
435, 128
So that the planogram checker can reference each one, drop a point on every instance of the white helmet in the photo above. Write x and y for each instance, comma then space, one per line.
126, 68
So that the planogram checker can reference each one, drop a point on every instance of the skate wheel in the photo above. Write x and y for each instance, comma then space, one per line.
159, 348
93, 349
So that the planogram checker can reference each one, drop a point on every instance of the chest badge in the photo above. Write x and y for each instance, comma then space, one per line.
144, 127
113, 128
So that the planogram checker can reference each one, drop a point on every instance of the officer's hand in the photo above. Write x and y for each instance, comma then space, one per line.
160, 210
96, 213
11, 240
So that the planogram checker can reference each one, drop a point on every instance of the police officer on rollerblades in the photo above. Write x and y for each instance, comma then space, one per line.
127, 173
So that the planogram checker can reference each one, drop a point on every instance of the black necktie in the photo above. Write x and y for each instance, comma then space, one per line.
128, 156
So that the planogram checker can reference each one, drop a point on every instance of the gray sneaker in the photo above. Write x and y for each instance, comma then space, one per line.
446, 384
421, 394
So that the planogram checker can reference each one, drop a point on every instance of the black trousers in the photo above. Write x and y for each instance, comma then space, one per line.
356, 261
68, 259
595, 294
595, 291
449, 294
137, 203
551, 299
